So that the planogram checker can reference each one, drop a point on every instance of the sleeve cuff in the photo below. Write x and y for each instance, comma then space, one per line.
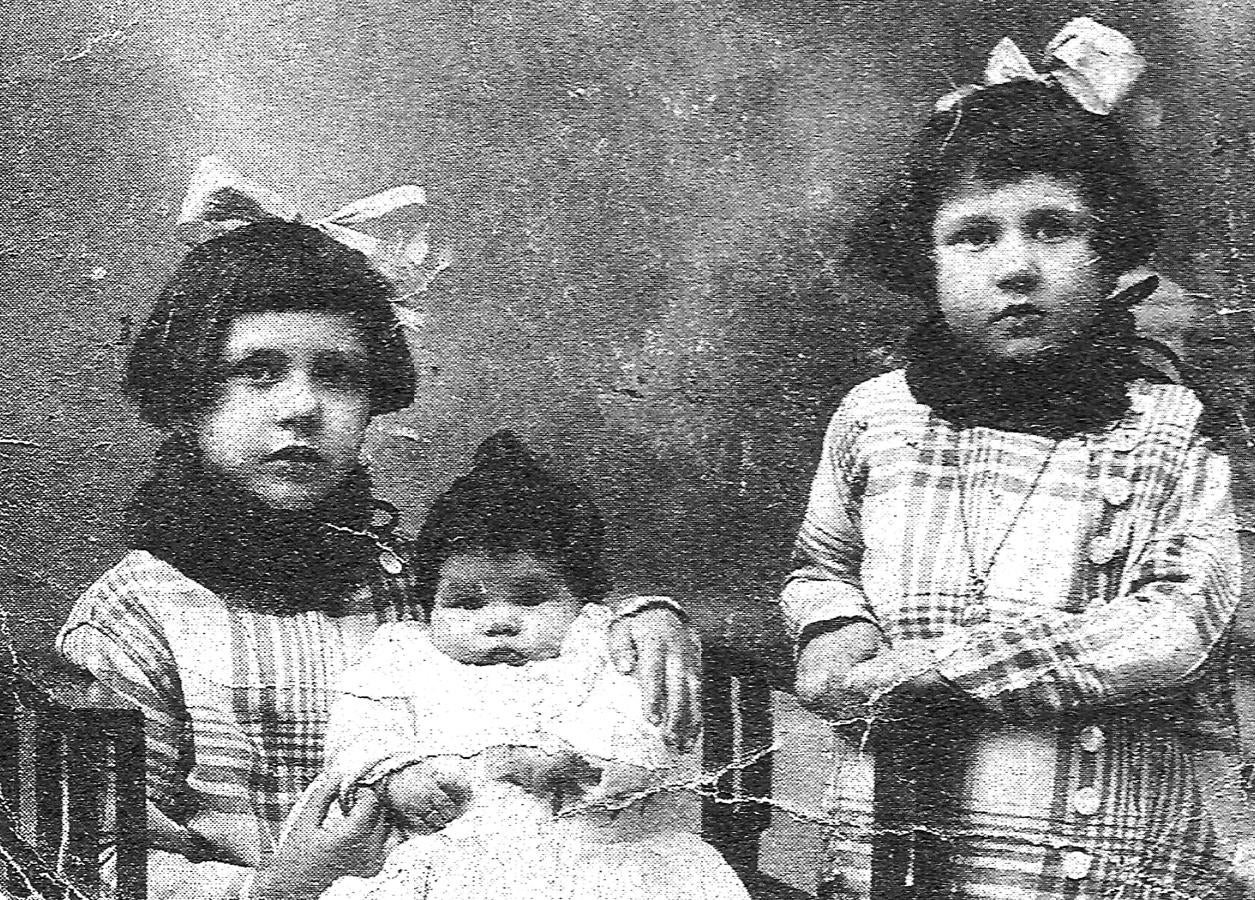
812, 603
630, 606
392, 764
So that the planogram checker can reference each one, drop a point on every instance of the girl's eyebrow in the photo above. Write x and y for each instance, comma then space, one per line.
257, 354
966, 219
1059, 210
339, 353
276, 354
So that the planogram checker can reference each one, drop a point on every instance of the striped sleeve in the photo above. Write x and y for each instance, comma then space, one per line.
1154, 636
826, 584
112, 635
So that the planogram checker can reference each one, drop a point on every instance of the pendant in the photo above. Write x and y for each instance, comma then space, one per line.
390, 562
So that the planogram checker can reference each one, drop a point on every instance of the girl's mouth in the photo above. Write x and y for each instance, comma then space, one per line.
1020, 320
296, 461
1020, 312
295, 453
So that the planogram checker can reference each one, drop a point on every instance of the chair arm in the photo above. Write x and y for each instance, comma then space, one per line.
746, 637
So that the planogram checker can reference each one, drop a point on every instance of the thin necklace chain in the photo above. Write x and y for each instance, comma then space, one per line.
980, 580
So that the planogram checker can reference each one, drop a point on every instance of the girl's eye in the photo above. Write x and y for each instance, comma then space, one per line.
257, 371
341, 374
973, 237
1054, 229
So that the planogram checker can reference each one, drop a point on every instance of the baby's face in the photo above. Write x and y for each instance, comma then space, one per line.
500, 608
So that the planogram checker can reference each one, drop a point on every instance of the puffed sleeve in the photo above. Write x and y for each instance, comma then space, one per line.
111, 635
126, 651
1179, 596
826, 584
609, 726
371, 730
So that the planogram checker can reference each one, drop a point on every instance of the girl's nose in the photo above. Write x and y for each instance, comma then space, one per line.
1018, 268
296, 399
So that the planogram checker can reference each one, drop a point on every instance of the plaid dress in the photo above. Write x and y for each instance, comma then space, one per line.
1111, 572
236, 697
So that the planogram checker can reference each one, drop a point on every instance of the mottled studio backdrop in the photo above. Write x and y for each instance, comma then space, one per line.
645, 202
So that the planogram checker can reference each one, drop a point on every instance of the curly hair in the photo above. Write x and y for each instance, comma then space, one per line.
513, 502
998, 135
269, 267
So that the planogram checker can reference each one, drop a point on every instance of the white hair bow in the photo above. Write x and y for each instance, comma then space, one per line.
1094, 64
219, 199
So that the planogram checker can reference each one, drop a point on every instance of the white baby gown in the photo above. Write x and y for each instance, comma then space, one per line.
405, 700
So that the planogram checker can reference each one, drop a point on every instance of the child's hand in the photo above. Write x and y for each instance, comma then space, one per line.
1244, 864
666, 657
323, 845
895, 670
234, 837
825, 665
425, 798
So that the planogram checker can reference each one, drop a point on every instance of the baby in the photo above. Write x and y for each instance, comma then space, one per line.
512, 757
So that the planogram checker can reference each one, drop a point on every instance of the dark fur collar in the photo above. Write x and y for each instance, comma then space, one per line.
237, 546
1083, 389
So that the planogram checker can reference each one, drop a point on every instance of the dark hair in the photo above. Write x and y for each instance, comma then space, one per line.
1001, 134
512, 502
270, 267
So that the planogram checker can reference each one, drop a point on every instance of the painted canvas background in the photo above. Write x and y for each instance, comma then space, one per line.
645, 203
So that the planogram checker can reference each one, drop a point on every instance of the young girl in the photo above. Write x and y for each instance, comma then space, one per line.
1018, 528
261, 561
530, 772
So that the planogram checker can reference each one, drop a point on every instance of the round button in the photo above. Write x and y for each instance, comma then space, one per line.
1102, 550
976, 614
1085, 801
1076, 864
1117, 490
1092, 739
390, 562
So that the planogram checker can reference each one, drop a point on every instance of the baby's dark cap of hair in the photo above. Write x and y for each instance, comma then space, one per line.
513, 501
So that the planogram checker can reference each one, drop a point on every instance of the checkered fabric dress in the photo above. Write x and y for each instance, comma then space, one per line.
1112, 572
236, 698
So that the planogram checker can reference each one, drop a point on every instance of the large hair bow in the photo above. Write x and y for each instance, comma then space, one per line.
1095, 65
219, 199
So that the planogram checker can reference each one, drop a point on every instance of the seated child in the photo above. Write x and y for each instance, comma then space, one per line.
507, 749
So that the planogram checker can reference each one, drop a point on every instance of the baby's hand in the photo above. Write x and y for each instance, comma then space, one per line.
825, 664
423, 797
621, 785
561, 776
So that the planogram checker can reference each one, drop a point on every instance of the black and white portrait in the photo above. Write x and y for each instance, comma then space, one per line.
646, 451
